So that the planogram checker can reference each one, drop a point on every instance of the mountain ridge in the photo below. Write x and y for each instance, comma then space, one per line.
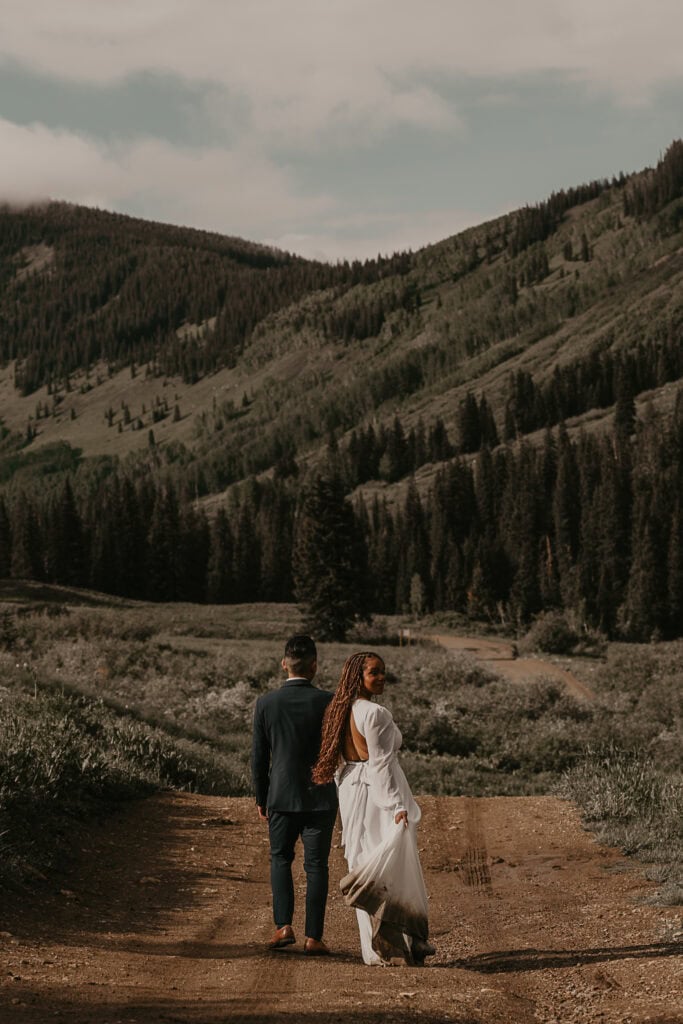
463, 395
431, 270
433, 304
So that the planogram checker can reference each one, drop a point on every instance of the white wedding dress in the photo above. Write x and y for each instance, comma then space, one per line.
385, 882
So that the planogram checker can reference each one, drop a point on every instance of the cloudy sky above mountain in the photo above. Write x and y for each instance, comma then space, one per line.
333, 128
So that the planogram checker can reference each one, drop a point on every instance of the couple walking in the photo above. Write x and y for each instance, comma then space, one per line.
312, 752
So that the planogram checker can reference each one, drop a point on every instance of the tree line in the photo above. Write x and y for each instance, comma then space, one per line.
592, 524
600, 380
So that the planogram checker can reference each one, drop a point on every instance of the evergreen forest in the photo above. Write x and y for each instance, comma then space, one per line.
492, 425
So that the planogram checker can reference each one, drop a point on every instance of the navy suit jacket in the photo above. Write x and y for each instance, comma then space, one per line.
285, 746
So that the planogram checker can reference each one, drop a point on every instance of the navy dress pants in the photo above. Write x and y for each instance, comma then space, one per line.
315, 829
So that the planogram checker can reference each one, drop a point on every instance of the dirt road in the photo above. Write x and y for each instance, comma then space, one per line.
164, 912
500, 656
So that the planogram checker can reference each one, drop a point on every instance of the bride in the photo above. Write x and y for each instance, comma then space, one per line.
359, 749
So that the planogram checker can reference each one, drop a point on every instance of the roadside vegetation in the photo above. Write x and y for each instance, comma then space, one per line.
97, 706
103, 702
629, 781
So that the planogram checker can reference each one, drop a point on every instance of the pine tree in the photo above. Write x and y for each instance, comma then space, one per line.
329, 561
469, 425
439, 446
164, 565
194, 553
132, 542
487, 486
417, 596
66, 553
487, 424
566, 511
5, 541
675, 573
219, 572
420, 456
382, 560
104, 562
647, 586
27, 541
522, 535
455, 578
610, 543
394, 462
247, 548
625, 406
415, 544
480, 599
275, 523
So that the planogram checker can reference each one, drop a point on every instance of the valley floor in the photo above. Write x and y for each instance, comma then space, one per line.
165, 909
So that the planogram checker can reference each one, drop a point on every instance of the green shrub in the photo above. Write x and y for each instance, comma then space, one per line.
105, 703
63, 758
617, 785
631, 803
551, 633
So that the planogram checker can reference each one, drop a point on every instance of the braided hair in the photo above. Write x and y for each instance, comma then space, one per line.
337, 716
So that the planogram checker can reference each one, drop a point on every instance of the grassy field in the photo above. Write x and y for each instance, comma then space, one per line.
104, 699
630, 784
81, 420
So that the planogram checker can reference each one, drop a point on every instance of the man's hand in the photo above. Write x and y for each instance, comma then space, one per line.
262, 813
402, 816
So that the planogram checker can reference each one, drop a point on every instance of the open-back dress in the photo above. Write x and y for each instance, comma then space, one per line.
385, 882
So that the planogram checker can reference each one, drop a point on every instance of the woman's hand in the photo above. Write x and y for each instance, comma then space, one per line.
402, 816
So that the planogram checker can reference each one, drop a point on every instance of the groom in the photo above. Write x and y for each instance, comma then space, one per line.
286, 741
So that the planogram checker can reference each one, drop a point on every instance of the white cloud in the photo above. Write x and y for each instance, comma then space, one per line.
364, 236
303, 67
311, 66
237, 192
38, 163
305, 75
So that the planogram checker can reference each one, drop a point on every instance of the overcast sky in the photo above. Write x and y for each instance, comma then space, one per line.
332, 128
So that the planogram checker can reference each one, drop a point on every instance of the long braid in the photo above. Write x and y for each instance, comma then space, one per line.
337, 716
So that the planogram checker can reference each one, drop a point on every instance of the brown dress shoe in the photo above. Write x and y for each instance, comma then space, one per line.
315, 947
283, 937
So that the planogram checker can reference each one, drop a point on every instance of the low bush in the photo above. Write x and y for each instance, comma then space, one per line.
105, 703
631, 803
551, 633
474, 775
64, 758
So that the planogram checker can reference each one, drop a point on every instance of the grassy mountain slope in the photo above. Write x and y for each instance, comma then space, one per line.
463, 313
113, 327
165, 393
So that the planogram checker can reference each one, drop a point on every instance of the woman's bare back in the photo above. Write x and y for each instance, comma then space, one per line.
354, 747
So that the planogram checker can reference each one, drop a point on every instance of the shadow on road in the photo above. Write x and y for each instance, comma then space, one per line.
212, 1011
129, 879
198, 950
547, 959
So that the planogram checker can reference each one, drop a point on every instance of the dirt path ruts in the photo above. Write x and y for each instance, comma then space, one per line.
164, 914
500, 657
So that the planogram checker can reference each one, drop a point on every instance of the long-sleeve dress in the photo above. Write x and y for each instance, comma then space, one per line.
384, 876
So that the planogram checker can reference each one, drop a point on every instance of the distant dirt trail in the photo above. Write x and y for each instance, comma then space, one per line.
499, 656
165, 914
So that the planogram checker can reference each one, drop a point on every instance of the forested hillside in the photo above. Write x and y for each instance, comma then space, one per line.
497, 418
82, 287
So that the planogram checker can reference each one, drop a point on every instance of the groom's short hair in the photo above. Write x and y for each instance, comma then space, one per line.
300, 653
